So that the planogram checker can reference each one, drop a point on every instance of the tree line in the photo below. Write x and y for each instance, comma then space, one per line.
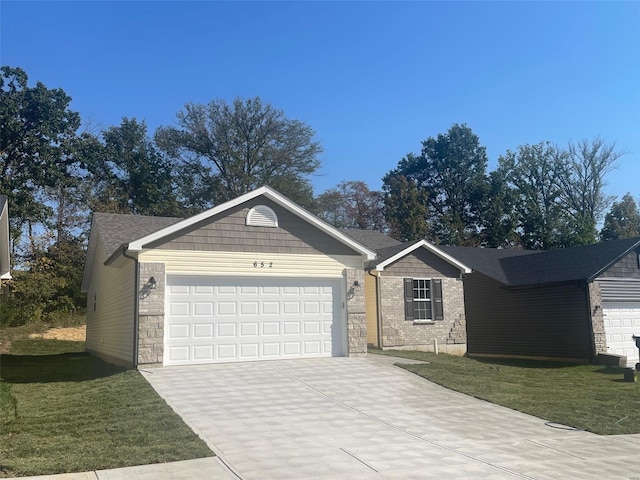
56, 171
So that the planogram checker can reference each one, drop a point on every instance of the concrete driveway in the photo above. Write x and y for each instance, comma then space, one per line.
363, 418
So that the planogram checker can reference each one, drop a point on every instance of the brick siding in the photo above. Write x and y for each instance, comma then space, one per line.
397, 332
151, 315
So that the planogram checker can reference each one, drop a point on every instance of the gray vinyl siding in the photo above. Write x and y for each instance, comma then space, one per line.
228, 232
619, 290
421, 264
627, 267
543, 321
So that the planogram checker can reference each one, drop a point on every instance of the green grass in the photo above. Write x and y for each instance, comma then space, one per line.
590, 397
71, 412
41, 346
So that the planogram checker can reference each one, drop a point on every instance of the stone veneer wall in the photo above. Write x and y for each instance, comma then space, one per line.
597, 318
356, 318
400, 333
151, 315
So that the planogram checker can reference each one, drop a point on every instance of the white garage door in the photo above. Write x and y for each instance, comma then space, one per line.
621, 321
215, 319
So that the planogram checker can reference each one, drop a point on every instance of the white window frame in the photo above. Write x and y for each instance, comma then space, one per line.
422, 285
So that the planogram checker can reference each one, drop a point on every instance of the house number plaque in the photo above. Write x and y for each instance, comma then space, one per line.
262, 264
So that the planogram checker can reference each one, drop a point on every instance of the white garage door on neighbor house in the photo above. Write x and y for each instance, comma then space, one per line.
224, 319
621, 321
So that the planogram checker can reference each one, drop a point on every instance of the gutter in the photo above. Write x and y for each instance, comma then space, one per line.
136, 304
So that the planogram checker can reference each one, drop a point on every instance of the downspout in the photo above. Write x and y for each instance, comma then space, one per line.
136, 306
376, 275
590, 308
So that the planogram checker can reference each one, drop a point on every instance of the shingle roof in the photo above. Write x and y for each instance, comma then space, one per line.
371, 238
118, 229
521, 267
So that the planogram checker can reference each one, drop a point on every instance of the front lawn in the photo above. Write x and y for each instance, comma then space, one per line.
71, 412
589, 397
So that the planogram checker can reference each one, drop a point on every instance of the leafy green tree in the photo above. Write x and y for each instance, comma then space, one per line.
36, 125
135, 177
352, 205
531, 172
500, 219
622, 221
581, 176
405, 209
451, 173
225, 150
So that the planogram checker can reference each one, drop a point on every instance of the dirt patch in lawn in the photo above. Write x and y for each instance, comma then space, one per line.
74, 334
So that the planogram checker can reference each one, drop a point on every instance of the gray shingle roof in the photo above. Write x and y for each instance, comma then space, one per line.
371, 238
521, 267
118, 229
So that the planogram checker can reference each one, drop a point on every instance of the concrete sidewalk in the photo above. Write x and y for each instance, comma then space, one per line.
209, 468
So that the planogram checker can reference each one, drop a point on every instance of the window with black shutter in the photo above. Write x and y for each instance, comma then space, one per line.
423, 299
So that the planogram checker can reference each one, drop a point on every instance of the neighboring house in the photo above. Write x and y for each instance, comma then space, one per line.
414, 295
5, 260
255, 278
570, 303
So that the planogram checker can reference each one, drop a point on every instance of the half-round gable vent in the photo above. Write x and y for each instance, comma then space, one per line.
262, 216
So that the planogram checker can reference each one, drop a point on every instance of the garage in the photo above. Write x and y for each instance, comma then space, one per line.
621, 321
230, 319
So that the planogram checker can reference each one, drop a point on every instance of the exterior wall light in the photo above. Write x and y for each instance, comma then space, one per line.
152, 283
354, 289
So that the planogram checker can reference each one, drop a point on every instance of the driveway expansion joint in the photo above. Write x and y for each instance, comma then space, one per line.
400, 429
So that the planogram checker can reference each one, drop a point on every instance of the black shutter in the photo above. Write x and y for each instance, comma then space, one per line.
436, 288
408, 299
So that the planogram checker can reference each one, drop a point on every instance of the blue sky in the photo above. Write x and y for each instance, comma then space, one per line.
373, 79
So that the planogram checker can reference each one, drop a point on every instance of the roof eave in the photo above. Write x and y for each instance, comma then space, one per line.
139, 244
613, 262
430, 247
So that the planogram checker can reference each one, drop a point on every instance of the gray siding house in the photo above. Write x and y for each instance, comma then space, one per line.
570, 303
256, 278
260, 278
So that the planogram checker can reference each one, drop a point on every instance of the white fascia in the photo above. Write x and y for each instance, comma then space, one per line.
429, 246
138, 245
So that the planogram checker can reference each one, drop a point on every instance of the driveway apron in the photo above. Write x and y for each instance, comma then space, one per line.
364, 418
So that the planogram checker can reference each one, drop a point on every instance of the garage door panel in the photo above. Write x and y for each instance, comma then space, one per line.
202, 309
291, 328
621, 322
249, 329
291, 348
249, 351
226, 308
203, 330
311, 328
271, 350
202, 290
179, 309
226, 352
311, 308
227, 330
312, 348
270, 308
179, 331
222, 319
270, 328
203, 352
